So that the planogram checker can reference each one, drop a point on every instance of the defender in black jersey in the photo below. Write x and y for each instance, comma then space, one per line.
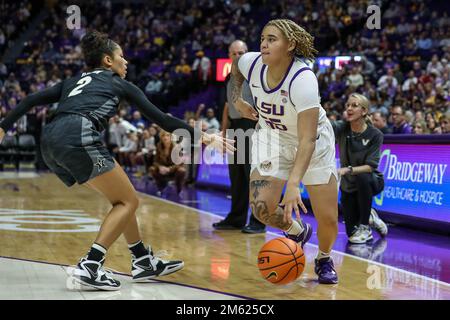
359, 151
73, 149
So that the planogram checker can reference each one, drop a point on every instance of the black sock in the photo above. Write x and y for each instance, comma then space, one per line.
138, 249
97, 253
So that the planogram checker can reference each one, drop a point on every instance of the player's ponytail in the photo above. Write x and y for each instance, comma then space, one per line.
304, 42
95, 45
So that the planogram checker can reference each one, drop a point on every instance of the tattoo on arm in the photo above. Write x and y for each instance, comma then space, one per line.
257, 185
238, 80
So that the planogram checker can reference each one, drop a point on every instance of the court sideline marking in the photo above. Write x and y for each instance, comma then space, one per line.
310, 244
128, 275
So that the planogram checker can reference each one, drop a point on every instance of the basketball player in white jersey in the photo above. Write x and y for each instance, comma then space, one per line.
294, 141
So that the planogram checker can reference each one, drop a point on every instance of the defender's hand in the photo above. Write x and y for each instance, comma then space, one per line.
218, 142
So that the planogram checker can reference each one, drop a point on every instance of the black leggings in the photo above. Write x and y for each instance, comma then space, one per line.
357, 205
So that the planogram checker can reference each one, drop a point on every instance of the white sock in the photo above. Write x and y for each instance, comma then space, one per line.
296, 228
321, 255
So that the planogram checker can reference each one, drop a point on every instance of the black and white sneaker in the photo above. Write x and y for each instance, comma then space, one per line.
91, 274
151, 266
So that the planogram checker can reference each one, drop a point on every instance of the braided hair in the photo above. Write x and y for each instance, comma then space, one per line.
304, 42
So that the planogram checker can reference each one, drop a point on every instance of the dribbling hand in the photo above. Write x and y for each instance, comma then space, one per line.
292, 201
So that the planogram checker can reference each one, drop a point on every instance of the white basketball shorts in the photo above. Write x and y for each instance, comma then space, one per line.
274, 156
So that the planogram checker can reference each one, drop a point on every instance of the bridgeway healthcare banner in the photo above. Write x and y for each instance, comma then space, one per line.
417, 180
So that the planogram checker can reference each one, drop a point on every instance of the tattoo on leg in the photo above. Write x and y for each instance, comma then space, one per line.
273, 219
257, 185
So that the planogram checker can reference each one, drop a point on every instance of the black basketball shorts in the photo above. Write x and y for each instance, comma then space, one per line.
72, 148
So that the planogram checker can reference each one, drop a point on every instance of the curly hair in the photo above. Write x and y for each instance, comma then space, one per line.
304, 42
94, 46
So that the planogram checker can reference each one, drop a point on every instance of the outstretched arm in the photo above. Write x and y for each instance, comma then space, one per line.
46, 96
135, 95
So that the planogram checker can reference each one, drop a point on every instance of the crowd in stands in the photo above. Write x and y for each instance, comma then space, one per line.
15, 17
171, 46
404, 69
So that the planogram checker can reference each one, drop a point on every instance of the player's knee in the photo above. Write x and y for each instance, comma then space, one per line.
329, 220
134, 202
131, 203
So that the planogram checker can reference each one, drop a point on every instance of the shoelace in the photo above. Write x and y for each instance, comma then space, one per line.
107, 271
357, 232
158, 255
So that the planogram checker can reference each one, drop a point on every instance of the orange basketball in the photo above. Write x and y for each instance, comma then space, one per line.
281, 260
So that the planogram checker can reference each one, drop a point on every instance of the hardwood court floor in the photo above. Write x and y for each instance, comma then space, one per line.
42, 220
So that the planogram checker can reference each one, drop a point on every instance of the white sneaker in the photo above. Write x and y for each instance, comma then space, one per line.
378, 224
362, 235
151, 266
91, 274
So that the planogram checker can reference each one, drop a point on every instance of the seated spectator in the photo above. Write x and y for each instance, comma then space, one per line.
164, 169
147, 150
118, 129
387, 80
355, 79
202, 66
380, 122
411, 80
420, 127
210, 122
435, 66
138, 121
183, 68
128, 150
418, 116
444, 122
424, 42
400, 124
154, 86
431, 123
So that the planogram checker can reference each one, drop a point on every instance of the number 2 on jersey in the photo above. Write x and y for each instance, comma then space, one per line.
81, 83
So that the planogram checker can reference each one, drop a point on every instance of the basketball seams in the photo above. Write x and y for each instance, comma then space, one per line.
293, 253
279, 265
272, 251
281, 240
287, 273
285, 267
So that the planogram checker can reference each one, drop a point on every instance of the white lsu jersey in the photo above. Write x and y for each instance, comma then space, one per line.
278, 107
